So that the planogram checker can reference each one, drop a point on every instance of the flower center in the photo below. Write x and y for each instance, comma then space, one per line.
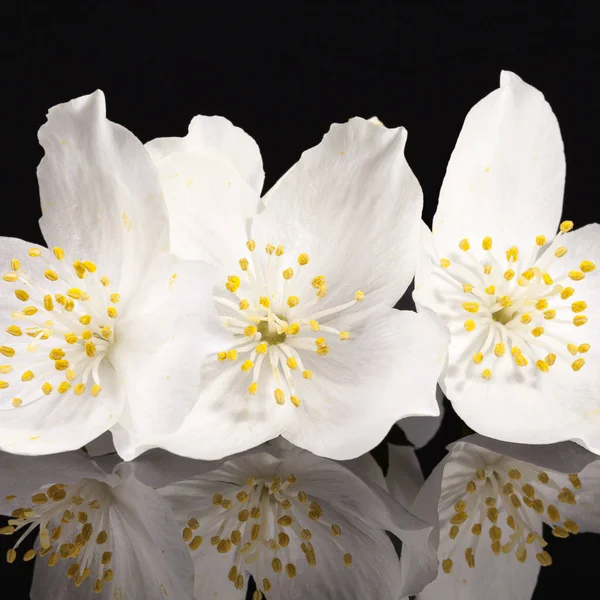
271, 310
69, 314
258, 524
524, 494
527, 316
73, 521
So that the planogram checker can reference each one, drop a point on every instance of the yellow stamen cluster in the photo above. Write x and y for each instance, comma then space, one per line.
253, 526
53, 304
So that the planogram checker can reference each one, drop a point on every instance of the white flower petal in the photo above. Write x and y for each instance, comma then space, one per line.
366, 468
159, 350
49, 425
325, 207
494, 578
404, 477
386, 371
421, 430
100, 194
505, 178
212, 179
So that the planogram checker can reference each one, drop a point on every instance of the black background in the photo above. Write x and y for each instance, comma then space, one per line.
284, 74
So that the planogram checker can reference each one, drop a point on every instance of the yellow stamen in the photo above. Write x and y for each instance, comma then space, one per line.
64, 387
537, 331
541, 304
264, 301
512, 254
292, 329
112, 312
105, 281
288, 273
491, 290
14, 330
253, 388
547, 279
560, 252
577, 364
579, 306
279, 396
247, 365
7, 351
279, 251
10, 277
508, 275
499, 349
505, 301
566, 226
550, 359
549, 314
587, 266
540, 240
243, 262
47, 388
27, 376
293, 301
261, 348
232, 354
251, 245
291, 363
51, 275
486, 374
579, 320
464, 245
307, 374
467, 288
444, 263
576, 275
250, 331
344, 335
471, 307
269, 249
22, 295
567, 293
583, 348
542, 366
359, 296
95, 391
486, 244
478, 358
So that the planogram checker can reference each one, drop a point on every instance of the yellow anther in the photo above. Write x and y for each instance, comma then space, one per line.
322, 291
566, 226
512, 254
447, 565
291, 363
486, 244
85, 319
567, 293
579, 306
105, 281
61, 365
64, 387
542, 366
314, 325
560, 252
541, 304
95, 391
261, 348
48, 303
288, 273
292, 329
505, 301
5, 369
293, 301
321, 342
486, 374
573, 348
499, 349
491, 290
577, 364
244, 304
471, 307
34, 252
579, 320
344, 335
56, 353
4, 385
47, 388
279, 396
295, 401
303, 259
318, 281
79, 389
232, 354
459, 518
75, 293
575, 481
253, 388
508, 275
454, 531
115, 298
112, 312
467, 288
566, 495
583, 348
540, 240
86, 335
547, 279
71, 338
587, 266
51, 275
264, 301
14, 330
464, 244
576, 275
279, 251
90, 349
222, 356
550, 359
10, 277
537, 331
243, 262
529, 274
250, 331
90, 266
549, 315
22, 295
269, 249
544, 558
251, 245
444, 263
233, 283
359, 296
307, 374
246, 365
487, 269
571, 526
27, 376
276, 565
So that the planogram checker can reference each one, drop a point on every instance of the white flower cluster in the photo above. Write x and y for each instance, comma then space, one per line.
244, 355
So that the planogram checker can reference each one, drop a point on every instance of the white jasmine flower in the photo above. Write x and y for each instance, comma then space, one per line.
302, 526
316, 353
96, 328
109, 535
491, 500
517, 291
